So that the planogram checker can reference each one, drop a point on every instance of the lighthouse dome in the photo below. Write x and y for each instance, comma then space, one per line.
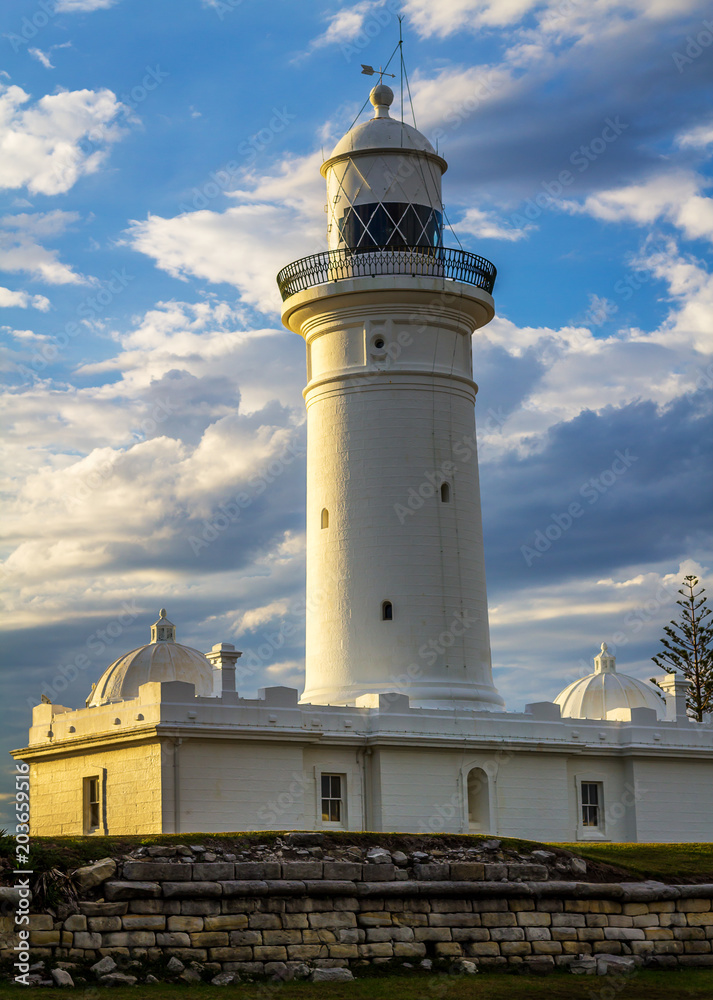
606, 694
163, 659
383, 184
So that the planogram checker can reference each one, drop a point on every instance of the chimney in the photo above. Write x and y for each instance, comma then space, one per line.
676, 688
224, 656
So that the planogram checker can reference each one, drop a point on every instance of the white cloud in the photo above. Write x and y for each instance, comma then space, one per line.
674, 195
22, 300
49, 145
21, 251
347, 23
479, 222
42, 57
699, 137
246, 245
82, 6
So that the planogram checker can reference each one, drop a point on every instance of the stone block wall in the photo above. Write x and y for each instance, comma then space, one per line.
245, 916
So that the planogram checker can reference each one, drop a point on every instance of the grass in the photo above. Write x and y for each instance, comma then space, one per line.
692, 984
663, 862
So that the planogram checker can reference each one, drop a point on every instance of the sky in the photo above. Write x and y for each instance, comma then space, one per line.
159, 163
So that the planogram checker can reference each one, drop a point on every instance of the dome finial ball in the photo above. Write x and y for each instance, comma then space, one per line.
381, 95
162, 613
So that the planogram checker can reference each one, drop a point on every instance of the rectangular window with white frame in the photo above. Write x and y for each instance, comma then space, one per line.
92, 804
591, 819
333, 787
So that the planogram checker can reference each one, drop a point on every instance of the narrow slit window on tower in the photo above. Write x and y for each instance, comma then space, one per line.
445, 493
325, 517
387, 611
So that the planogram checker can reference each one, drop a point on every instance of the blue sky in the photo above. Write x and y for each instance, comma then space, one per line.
160, 162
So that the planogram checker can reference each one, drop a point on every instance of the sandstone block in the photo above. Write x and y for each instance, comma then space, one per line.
499, 919
343, 951
590, 934
577, 948
538, 933
693, 905
658, 933
668, 947
470, 934
264, 921
696, 961
103, 924
295, 921
225, 922
173, 939
168, 907
623, 934
302, 870
564, 933
578, 906
635, 909
332, 920
479, 949
517, 905
550, 905
77, 922
342, 870
467, 871
451, 906
668, 919
448, 949
389, 934
597, 920
209, 939
662, 906
413, 949
546, 948
93, 875
519, 948
534, 919
453, 920
151, 871
696, 947
103, 909
607, 948
432, 934
41, 922
689, 933
186, 924
492, 905
507, 934
642, 947
212, 871
243, 938
568, 920
381, 949
495, 873
646, 920
281, 937
431, 873
620, 920
604, 906
307, 952
82, 939
256, 871
191, 890
143, 922
263, 953
700, 919
200, 907
232, 954
131, 890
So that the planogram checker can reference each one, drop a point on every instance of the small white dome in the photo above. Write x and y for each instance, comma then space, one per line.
605, 694
163, 659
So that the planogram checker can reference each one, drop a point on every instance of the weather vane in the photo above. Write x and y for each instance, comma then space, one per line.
370, 71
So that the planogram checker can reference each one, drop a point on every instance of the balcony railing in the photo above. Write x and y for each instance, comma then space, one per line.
432, 262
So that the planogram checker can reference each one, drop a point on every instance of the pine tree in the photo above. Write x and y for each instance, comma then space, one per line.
689, 648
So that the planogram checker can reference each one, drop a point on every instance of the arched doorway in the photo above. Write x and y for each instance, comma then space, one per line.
478, 801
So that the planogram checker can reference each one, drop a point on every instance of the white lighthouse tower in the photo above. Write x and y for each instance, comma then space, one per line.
396, 597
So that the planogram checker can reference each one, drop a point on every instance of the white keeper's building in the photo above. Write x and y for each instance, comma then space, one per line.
401, 726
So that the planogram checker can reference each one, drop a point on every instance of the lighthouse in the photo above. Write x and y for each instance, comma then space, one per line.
396, 594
